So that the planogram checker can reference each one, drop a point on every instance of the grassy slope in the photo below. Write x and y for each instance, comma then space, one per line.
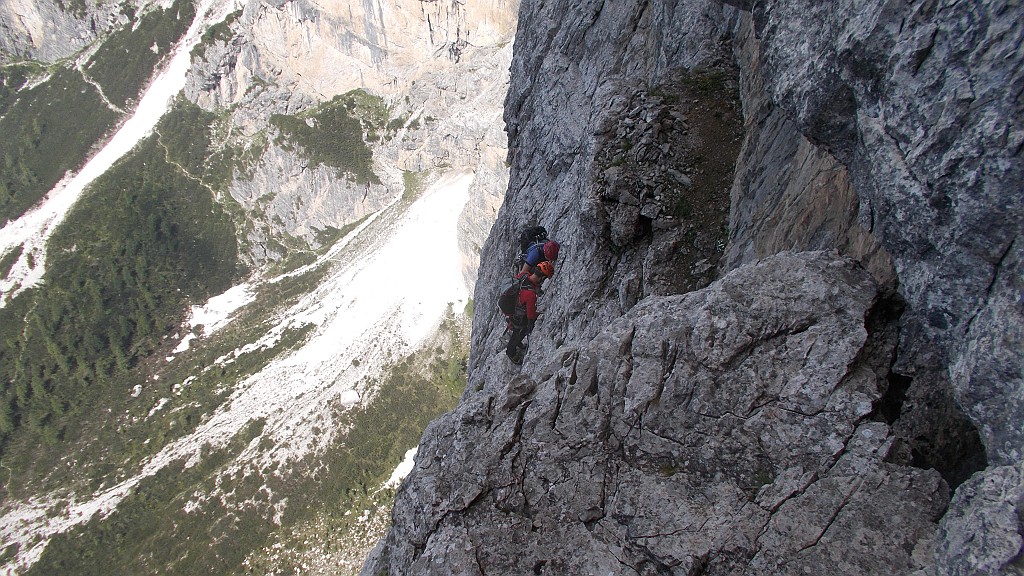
145, 242
49, 128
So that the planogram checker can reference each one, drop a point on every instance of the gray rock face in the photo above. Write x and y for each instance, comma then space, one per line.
440, 69
913, 101
887, 131
726, 430
49, 31
304, 200
789, 194
981, 532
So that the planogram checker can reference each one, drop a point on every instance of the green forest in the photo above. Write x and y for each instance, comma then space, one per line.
47, 130
143, 242
149, 533
49, 127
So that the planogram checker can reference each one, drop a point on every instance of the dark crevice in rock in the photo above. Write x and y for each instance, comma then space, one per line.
921, 411
479, 562
922, 54
781, 334
652, 564
883, 319
644, 226
513, 441
700, 566
996, 271
594, 387
955, 456
835, 515
557, 409
814, 477
631, 567
435, 526
882, 325
927, 420
890, 404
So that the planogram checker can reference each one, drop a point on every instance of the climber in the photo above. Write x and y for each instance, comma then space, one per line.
535, 247
523, 315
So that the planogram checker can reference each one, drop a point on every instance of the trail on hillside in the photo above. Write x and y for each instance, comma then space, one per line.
34, 228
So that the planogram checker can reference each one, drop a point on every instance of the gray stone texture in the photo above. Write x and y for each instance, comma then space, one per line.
48, 31
854, 411
726, 430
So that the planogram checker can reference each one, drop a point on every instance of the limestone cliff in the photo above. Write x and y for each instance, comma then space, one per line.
440, 68
49, 31
832, 383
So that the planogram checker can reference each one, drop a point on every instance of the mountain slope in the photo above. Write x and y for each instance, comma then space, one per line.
205, 436
654, 429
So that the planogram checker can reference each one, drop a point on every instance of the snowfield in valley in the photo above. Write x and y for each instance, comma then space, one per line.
375, 309
369, 311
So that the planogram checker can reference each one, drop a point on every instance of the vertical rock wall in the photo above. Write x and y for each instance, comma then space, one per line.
919, 102
657, 434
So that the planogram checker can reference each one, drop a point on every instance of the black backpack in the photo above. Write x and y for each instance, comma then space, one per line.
508, 299
531, 236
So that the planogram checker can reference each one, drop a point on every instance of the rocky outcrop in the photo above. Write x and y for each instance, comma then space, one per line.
49, 31
289, 196
885, 131
440, 68
729, 429
912, 101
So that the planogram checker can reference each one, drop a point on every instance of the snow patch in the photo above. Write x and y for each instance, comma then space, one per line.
215, 314
402, 470
34, 228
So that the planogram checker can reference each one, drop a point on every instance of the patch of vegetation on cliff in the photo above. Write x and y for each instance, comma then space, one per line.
334, 134
75, 7
219, 32
185, 134
415, 183
142, 243
663, 171
47, 130
125, 62
196, 142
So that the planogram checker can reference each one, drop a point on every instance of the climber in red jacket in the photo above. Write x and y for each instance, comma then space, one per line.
521, 323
